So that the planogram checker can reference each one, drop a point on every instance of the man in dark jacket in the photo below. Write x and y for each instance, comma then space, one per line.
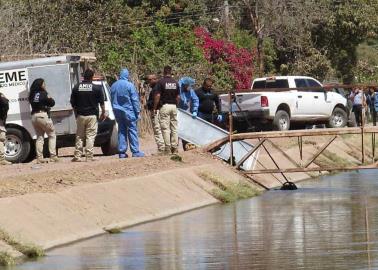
155, 118
208, 102
167, 96
85, 99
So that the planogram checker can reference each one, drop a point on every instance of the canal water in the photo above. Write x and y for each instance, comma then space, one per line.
329, 223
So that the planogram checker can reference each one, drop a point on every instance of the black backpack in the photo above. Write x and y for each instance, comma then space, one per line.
4, 107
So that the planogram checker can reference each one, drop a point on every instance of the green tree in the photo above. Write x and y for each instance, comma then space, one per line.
149, 49
342, 30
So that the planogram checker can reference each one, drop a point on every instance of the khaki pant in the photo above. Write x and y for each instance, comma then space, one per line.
168, 123
2, 140
86, 131
43, 124
155, 119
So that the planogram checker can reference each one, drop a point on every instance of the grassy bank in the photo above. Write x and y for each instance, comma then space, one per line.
229, 191
29, 250
6, 259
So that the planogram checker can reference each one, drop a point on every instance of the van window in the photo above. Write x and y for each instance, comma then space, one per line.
270, 84
300, 83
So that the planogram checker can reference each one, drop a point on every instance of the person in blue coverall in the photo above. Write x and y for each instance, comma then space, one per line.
188, 101
188, 98
126, 107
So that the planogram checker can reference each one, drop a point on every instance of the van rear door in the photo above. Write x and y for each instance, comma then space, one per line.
59, 86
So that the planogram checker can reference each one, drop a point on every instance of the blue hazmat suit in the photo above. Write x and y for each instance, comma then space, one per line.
188, 99
126, 107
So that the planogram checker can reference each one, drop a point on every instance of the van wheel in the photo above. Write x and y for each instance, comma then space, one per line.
281, 121
338, 119
17, 145
111, 146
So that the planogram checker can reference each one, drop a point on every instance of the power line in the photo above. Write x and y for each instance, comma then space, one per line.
152, 24
179, 15
149, 21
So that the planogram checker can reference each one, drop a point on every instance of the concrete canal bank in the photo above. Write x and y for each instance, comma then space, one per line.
50, 219
328, 223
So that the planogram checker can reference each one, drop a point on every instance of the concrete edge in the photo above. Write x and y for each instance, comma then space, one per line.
126, 225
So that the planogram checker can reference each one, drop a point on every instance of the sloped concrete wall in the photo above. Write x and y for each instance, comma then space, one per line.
51, 219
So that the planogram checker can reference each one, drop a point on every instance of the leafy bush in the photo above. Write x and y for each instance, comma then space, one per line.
236, 62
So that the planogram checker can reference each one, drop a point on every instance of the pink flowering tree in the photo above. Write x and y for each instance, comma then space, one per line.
232, 65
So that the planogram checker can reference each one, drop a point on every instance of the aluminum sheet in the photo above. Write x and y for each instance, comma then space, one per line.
201, 133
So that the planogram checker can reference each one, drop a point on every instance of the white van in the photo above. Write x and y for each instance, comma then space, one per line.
61, 74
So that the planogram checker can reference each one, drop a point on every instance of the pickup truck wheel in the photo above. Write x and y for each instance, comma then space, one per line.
17, 145
281, 121
338, 119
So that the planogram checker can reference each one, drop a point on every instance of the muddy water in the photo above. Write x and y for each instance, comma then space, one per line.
329, 223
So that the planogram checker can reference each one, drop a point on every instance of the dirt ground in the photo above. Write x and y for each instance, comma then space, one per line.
19, 179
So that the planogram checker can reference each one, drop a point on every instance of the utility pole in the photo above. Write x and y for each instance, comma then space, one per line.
226, 20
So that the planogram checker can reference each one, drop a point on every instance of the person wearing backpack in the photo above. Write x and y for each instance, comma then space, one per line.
4, 107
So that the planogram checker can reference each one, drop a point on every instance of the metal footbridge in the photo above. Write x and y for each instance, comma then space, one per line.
246, 156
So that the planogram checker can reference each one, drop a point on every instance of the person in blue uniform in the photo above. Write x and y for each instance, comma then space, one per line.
188, 98
188, 102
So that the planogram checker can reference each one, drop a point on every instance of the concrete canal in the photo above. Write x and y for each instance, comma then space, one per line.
329, 223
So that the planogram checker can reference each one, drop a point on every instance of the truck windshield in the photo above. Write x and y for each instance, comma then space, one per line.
270, 84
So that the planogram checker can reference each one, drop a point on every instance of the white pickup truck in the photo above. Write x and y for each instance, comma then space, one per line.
277, 110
